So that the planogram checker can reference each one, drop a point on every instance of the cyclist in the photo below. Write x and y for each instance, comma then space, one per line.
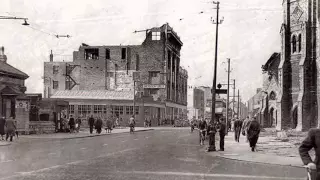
202, 130
311, 141
132, 124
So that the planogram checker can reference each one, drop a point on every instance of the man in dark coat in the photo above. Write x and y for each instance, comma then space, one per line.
253, 133
222, 133
98, 125
2, 124
212, 136
311, 141
72, 124
237, 129
91, 123
10, 128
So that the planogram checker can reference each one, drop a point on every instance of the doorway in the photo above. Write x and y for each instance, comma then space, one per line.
295, 118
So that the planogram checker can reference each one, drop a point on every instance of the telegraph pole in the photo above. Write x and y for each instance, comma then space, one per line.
213, 106
238, 104
227, 116
234, 96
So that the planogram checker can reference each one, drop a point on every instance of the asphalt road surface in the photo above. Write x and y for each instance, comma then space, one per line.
172, 154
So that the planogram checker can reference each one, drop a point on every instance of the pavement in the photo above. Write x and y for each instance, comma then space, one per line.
270, 150
171, 153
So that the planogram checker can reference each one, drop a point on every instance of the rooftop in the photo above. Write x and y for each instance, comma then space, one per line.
8, 69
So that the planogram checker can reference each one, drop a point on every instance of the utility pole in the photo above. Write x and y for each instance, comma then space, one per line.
214, 83
238, 104
234, 96
227, 116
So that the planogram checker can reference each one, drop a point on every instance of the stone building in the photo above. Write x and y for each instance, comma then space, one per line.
160, 86
297, 101
13, 101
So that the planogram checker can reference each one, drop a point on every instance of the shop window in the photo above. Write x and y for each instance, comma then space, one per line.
116, 110
123, 53
107, 53
129, 110
97, 109
156, 36
92, 53
55, 69
104, 109
153, 91
55, 85
71, 109
84, 109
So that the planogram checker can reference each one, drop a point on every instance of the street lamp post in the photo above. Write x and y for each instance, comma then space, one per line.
16, 18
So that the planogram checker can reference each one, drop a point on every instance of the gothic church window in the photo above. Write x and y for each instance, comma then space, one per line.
294, 44
299, 43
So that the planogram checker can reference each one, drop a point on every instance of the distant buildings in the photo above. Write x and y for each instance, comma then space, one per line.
100, 79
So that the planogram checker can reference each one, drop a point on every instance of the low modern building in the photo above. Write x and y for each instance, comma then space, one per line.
114, 76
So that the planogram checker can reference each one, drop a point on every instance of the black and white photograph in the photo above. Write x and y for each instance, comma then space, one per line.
159, 90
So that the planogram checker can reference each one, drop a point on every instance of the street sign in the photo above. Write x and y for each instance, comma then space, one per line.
221, 91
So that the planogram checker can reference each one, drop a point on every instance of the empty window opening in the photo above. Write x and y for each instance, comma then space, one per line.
107, 53
294, 44
123, 53
91, 53
55, 69
55, 84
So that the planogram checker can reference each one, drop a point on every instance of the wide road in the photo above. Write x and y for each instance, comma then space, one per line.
172, 154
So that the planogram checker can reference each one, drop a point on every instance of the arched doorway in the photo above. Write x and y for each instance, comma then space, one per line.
271, 117
295, 117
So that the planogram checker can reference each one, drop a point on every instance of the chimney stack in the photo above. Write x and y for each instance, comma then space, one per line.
51, 57
3, 57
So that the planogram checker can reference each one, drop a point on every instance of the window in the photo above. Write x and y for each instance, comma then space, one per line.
55, 69
153, 91
129, 110
123, 53
294, 44
299, 43
137, 62
44, 117
84, 109
110, 74
91, 53
68, 85
156, 35
55, 84
154, 74
137, 109
107, 53
97, 109
71, 109
116, 110
104, 109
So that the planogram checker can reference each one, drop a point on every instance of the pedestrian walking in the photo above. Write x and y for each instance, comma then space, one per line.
10, 128
132, 124
202, 130
2, 125
79, 122
253, 133
245, 128
98, 125
117, 122
212, 136
222, 133
108, 126
237, 129
146, 122
91, 124
72, 124
311, 141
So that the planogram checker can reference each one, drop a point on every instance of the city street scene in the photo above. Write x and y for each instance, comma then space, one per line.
158, 89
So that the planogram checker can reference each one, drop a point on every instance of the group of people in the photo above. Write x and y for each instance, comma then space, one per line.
97, 124
247, 127
210, 131
8, 127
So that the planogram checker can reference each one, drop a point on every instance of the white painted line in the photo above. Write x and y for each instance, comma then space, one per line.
105, 144
147, 137
123, 141
206, 175
52, 153
136, 139
83, 148
6, 161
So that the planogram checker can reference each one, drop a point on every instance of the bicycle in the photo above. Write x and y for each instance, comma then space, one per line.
312, 173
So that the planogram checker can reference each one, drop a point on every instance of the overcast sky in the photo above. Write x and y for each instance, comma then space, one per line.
248, 35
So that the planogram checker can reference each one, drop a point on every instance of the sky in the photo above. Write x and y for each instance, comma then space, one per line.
248, 35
